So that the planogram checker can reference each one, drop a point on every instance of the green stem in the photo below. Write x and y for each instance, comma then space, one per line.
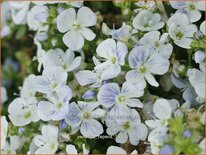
190, 57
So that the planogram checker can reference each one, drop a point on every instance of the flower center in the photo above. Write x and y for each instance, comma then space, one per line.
179, 35
54, 85
86, 115
147, 23
59, 105
52, 146
142, 69
27, 115
76, 26
191, 7
113, 60
126, 125
121, 99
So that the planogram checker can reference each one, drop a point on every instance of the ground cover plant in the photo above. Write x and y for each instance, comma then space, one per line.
103, 77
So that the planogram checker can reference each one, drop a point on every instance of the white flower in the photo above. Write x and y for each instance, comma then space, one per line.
148, 5
131, 129
199, 56
157, 138
197, 80
86, 77
66, 60
22, 112
57, 106
84, 116
155, 43
19, 11
118, 150
41, 35
47, 143
144, 65
50, 80
27, 90
76, 26
114, 55
4, 96
180, 30
76, 4
122, 34
110, 96
162, 111
147, 21
71, 149
4, 128
189, 93
37, 16
40, 54
10, 148
202, 27
191, 8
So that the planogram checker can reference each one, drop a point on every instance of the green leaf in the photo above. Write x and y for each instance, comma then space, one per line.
21, 32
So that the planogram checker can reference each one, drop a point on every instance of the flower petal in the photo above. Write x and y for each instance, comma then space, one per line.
151, 80
122, 137
71, 149
136, 79
111, 72
134, 103
91, 128
137, 55
157, 64
121, 52
130, 90
86, 77
66, 19
86, 17
74, 64
106, 48
162, 109
88, 34
73, 116
44, 110
115, 150
74, 40
107, 94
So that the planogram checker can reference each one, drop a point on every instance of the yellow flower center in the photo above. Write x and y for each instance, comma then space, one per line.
27, 115
126, 125
76, 26
86, 115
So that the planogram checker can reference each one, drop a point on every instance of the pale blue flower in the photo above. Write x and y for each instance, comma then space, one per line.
191, 8
47, 143
114, 55
57, 106
144, 64
167, 149
89, 95
66, 60
83, 116
147, 21
50, 80
131, 129
110, 96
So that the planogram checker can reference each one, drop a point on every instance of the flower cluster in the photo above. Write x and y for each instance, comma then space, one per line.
142, 83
